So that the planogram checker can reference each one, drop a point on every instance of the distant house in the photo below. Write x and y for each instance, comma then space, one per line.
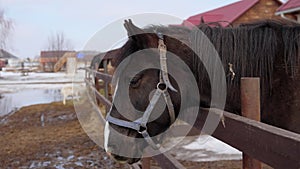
49, 58
5, 57
290, 7
239, 12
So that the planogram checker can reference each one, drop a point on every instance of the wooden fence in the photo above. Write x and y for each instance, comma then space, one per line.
271, 145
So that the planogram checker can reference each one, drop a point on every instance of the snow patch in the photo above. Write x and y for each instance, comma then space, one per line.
78, 163
206, 148
70, 157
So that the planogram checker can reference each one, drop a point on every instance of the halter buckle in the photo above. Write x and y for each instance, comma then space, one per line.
161, 86
142, 129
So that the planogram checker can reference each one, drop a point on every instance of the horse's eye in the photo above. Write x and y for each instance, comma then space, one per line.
135, 81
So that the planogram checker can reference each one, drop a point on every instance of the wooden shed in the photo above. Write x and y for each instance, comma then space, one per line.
4, 57
49, 58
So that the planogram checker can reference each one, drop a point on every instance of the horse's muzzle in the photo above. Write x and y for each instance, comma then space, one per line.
122, 159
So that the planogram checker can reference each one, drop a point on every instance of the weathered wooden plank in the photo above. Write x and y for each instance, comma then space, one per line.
274, 146
146, 163
104, 76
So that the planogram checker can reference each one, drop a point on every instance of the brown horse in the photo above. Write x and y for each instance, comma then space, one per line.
267, 49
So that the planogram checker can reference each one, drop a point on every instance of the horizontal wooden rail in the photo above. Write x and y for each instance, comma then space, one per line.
104, 76
274, 146
100, 97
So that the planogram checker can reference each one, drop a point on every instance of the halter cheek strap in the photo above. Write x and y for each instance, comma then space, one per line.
140, 125
162, 48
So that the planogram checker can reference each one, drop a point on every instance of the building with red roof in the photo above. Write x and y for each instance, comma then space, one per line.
290, 7
239, 12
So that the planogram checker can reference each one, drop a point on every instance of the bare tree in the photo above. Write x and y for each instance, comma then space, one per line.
58, 41
6, 26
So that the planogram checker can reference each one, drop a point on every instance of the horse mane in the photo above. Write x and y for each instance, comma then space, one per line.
252, 49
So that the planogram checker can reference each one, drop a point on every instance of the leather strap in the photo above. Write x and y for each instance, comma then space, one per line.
140, 125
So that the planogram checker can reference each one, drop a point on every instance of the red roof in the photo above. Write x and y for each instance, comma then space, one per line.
289, 6
228, 13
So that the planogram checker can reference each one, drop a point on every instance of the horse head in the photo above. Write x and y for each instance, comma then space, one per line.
147, 99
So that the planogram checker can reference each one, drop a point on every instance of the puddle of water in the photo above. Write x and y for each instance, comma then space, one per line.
10, 102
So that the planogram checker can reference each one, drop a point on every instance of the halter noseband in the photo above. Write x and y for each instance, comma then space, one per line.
140, 125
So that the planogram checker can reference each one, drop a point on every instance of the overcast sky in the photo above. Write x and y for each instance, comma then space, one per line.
36, 20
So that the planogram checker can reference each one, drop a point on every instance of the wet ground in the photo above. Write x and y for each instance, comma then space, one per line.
56, 142
17, 91
50, 136
15, 100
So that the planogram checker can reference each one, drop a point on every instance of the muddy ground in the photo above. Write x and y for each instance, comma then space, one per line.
59, 142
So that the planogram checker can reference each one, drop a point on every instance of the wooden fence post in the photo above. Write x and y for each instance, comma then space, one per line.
250, 100
105, 84
146, 163
97, 85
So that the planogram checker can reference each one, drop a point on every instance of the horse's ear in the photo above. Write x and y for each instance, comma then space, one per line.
202, 20
132, 30
143, 39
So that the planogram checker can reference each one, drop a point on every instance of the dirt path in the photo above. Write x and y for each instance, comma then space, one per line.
59, 142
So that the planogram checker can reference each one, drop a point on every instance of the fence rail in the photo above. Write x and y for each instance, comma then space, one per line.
103, 76
274, 146
99, 96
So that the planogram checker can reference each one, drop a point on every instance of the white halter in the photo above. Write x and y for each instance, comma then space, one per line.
140, 125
